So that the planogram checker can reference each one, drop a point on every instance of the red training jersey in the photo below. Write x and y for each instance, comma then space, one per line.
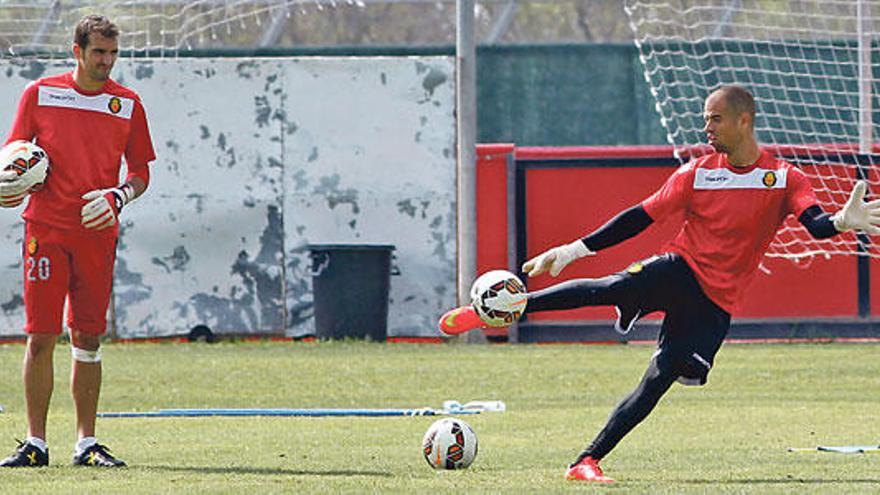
730, 217
85, 134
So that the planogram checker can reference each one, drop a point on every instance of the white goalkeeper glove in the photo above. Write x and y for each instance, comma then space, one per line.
857, 214
556, 259
14, 187
103, 206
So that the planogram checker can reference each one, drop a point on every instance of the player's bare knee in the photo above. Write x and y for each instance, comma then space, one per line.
85, 341
41, 343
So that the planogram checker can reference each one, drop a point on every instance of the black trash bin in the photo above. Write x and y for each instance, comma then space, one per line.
350, 285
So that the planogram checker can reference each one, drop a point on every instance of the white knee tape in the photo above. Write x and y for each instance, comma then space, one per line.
85, 356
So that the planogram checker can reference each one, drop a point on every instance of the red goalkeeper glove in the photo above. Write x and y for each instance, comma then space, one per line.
14, 187
103, 206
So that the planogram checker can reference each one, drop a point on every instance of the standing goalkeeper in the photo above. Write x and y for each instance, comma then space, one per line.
86, 122
734, 201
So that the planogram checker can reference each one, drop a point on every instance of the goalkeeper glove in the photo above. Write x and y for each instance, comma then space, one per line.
556, 259
103, 206
857, 214
14, 187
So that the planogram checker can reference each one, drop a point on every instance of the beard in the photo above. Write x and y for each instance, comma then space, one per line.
99, 73
718, 147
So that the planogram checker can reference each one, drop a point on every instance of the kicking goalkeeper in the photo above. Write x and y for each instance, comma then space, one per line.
734, 200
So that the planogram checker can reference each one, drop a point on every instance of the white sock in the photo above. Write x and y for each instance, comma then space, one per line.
83, 444
37, 442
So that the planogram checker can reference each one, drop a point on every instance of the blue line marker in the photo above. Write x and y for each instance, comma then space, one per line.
166, 413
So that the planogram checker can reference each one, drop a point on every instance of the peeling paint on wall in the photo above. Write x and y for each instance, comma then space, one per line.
260, 158
433, 79
143, 71
32, 69
354, 175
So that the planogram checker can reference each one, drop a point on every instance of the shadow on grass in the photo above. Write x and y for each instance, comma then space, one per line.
264, 471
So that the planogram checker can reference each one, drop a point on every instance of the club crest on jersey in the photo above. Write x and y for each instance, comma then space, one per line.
114, 105
769, 179
32, 246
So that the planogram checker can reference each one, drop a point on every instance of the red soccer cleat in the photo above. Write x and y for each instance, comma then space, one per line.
587, 470
460, 320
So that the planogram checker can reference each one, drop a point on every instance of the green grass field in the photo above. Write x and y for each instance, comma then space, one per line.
728, 437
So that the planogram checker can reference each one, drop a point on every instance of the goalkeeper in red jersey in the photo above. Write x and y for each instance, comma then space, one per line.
87, 123
734, 200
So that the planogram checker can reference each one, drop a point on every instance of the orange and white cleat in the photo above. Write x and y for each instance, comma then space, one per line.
587, 470
460, 320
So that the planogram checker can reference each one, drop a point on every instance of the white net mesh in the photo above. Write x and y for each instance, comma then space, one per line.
811, 65
158, 28
164, 28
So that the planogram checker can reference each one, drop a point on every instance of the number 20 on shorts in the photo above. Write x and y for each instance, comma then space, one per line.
37, 269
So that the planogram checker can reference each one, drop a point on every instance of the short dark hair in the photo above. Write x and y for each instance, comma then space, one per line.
739, 99
93, 23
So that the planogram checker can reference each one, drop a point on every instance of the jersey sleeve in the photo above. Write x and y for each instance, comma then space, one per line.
139, 150
800, 194
673, 195
23, 125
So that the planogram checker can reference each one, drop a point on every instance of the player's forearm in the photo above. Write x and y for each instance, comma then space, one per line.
138, 186
818, 223
626, 224
137, 181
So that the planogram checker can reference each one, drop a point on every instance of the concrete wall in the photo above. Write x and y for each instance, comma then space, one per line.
257, 158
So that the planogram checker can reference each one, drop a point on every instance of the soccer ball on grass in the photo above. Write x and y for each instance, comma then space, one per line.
449, 443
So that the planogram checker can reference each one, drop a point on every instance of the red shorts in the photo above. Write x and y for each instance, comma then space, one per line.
65, 264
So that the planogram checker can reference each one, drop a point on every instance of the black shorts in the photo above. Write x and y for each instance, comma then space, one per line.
694, 326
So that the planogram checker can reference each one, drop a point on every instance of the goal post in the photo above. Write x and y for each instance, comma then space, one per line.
812, 66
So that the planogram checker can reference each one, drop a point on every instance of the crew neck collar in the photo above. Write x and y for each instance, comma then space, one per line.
744, 170
84, 91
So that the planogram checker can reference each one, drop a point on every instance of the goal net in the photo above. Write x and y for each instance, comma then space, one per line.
40, 29
156, 28
811, 66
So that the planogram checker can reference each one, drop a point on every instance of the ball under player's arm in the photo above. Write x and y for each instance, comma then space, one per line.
14, 187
